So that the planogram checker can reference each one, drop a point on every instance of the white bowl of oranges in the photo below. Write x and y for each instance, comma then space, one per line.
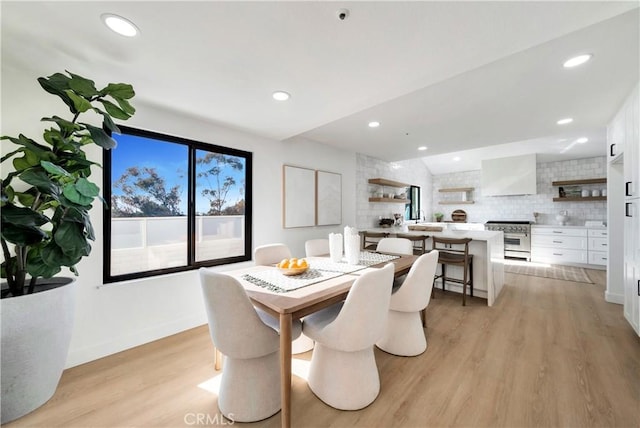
293, 266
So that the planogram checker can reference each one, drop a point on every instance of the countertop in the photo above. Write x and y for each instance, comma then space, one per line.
569, 226
478, 235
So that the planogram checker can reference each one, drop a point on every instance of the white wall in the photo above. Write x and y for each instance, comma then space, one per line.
114, 317
522, 207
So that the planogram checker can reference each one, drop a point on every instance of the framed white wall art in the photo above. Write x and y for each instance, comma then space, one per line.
299, 196
329, 198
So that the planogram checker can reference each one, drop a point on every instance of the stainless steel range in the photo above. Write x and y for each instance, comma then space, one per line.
517, 237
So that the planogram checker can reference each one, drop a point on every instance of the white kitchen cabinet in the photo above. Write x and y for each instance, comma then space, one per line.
632, 150
598, 247
616, 136
632, 212
559, 245
632, 294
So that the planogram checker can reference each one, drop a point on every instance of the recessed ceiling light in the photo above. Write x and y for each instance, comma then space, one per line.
564, 121
456, 159
577, 60
422, 148
281, 96
374, 124
119, 25
582, 140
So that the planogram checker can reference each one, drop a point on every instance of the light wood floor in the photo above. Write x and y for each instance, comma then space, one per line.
550, 353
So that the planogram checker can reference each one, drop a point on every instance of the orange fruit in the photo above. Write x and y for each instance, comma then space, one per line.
303, 263
284, 264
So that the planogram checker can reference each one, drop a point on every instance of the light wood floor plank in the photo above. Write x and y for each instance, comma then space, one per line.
550, 353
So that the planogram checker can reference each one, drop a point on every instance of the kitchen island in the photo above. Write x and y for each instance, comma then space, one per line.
487, 248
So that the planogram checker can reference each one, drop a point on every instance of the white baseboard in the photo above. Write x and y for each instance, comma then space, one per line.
128, 341
614, 298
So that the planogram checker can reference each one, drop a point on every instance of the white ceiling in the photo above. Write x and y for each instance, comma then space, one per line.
454, 76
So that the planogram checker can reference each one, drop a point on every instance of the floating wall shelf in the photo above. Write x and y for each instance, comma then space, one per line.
465, 193
583, 181
389, 183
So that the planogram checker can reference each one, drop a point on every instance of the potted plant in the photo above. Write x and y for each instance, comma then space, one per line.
438, 216
45, 203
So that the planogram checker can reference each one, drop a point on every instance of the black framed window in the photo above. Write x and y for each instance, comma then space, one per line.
173, 204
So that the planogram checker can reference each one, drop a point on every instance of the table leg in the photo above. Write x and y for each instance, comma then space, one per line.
285, 369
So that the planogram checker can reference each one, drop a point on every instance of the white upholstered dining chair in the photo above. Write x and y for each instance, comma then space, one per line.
404, 334
343, 370
271, 254
316, 247
395, 245
250, 386
267, 255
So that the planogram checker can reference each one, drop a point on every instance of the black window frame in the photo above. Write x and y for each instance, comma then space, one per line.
193, 146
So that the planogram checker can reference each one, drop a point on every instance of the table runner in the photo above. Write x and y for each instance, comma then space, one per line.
319, 270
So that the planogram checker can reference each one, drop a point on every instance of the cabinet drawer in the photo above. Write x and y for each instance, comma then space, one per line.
598, 244
598, 233
559, 231
558, 256
569, 242
597, 258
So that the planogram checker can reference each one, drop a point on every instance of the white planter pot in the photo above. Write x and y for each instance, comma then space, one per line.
36, 333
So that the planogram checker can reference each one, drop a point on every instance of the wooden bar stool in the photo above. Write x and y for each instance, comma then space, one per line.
419, 242
370, 239
455, 252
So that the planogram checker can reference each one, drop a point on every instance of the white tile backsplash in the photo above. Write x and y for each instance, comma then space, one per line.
412, 171
483, 208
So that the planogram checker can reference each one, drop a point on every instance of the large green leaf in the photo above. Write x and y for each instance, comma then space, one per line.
20, 225
28, 143
40, 180
83, 86
114, 110
79, 103
21, 216
87, 188
126, 106
100, 137
57, 84
36, 266
72, 194
53, 255
65, 126
22, 235
119, 90
54, 169
107, 122
71, 239
26, 199
29, 160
